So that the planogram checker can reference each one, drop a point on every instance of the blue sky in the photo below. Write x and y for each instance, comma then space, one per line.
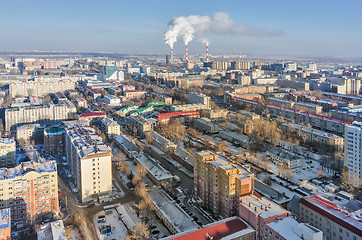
312, 28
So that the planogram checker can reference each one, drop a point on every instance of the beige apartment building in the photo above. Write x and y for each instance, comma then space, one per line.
30, 190
39, 87
110, 127
219, 184
90, 162
7, 152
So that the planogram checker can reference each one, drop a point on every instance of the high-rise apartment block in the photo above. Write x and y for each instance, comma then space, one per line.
219, 65
219, 184
30, 190
240, 65
54, 140
34, 114
353, 152
90, 162
39, 87
7, 152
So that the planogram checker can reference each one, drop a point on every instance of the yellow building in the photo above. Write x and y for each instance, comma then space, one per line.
30, 190
7, 152
219, 184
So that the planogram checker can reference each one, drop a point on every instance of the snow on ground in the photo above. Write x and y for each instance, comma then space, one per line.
118, 229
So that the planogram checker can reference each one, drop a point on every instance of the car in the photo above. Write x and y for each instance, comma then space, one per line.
155, 232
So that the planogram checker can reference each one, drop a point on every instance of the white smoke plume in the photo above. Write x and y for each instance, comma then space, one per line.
220, 23
204, 40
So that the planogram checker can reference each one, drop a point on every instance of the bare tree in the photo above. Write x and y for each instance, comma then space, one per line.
138, 232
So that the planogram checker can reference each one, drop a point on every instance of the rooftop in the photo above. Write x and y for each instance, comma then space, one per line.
153, 168
86, 141
229, 228
180, 220
285, 228
92, 114
52, 230
270, 208
348, 219
25, 167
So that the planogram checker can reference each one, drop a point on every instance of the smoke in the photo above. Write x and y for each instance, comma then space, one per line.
204, 41
186, 27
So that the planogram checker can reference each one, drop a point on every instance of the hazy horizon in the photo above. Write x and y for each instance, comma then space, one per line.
308, 29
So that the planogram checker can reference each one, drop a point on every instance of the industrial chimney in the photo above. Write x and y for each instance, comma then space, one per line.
187, 55
207, 52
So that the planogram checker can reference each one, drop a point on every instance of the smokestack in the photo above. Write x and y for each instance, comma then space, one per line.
187, 55
207, 51
171, 54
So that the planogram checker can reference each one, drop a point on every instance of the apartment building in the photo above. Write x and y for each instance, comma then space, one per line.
240, 65
134, 94
34, 114
281, 157
314, 135
207, 126
140, 125
87, 117
30, 190
7, 152
90, 162
219, 184
109, 127
231, 228
353, 152
81, 102
188, 107
258, 212
334, 221
184, 117
162, 143
199, 98
54, 140
112, 100
39, 86
29, 132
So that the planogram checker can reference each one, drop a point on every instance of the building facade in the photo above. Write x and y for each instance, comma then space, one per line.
7, 152
219, 184
54, 140
353, 152
30, 190
334, 221
39, 87
90, 162
34, 114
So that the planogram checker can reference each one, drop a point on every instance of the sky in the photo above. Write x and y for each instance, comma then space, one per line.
310, 28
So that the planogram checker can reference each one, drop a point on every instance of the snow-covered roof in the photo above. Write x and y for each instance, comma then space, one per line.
52, 231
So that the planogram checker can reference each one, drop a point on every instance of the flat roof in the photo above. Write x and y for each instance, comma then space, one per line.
229, 228
285, 228
273, 210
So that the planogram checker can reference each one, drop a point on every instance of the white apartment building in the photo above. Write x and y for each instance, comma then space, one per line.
90, 162
40, 86
34, 114
353, 152
112, 100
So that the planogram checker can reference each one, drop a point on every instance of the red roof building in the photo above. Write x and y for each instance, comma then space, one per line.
183, 116
334, 221
90, 116
233, 228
